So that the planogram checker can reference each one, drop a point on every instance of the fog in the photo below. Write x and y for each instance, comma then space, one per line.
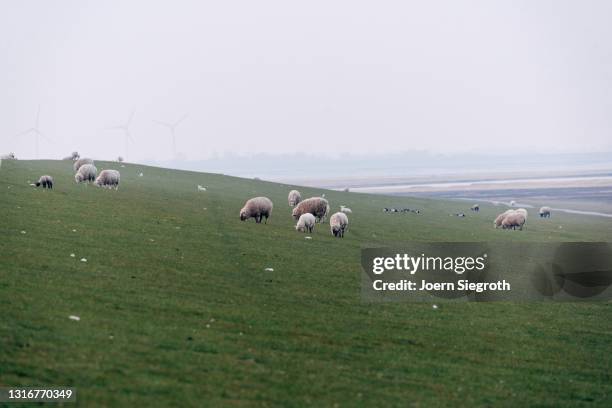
320, 78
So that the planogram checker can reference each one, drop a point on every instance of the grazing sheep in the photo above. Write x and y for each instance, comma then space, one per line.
45, 181
87, 173
347, 190
258, 208
10, 156
317, 206
306, 223
522, 211
108, 178
73, 156
77, 164
120, 159
545, 212
338, 224
513, 221
500, 218
475, 208
512, 203
346, 210
294, 198
201, 188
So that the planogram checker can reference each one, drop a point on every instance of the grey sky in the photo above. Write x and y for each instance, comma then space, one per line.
323, 77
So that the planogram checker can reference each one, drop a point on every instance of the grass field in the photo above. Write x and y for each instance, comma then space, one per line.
176, 309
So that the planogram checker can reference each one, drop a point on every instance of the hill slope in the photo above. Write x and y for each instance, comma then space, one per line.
175, 304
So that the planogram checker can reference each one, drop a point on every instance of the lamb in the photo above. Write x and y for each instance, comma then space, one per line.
87, 173
306, 223
513, 221
258, 208
339, 224
500, 218
108, 178
345, 210
46, 181
294, 198
545, 212
77, 164
317, 206
475, 208
10, 156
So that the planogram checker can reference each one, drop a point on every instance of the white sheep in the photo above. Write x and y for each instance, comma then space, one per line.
338, 224
87, 173
294, 198
522, 211
545, 212
73, 156
512, 203
77, 164
346, 210
10, 156
513, 221
108, 178
201, 188
500, 218
46, 181
317, 206
306, 223
475, 208
258, 208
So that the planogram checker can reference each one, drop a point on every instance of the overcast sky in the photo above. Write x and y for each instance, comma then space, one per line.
322, 77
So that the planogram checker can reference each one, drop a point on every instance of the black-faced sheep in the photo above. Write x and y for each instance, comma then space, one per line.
338, 224
306, 223
545, 212
108, 178
317, 206
258, 208
513, 221
10, 156
77, 164
45, 181
87, 173
294, 198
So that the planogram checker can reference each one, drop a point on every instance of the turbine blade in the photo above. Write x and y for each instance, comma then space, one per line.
37, 117
162, 123
181, 119
25, 132
130, 118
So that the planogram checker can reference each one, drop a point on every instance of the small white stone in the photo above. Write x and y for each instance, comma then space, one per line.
73, 230
72, 255
23, 232
269, 269
83, 259
208, 326
75, 318
307, 237
434, 307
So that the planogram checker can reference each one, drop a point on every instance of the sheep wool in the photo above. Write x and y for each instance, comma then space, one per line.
317, 206
258, 208
545, 212
513, 221
338, 224
500, 218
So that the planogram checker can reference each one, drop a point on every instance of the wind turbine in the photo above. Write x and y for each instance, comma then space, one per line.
36, 131
172, 127
126, 131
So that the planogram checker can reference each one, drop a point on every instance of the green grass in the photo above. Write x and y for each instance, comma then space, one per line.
176, 308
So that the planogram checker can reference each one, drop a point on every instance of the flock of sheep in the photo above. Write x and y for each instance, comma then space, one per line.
85, 172
306, 212
516, 219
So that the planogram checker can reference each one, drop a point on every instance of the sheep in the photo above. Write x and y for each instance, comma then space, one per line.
545, 212
514, 220
258, 208
87, 173
306, 223
120, 159
108, 178
201, 188
10, 156
77, 164
317, 206
46, 181
73, 156
475, 208
338, 224
512, 203
500, 218
522, 211
345, 210
294, 198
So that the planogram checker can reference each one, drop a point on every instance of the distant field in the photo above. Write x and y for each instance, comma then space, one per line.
176, 308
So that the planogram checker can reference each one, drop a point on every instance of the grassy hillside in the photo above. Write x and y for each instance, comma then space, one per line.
176, 307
